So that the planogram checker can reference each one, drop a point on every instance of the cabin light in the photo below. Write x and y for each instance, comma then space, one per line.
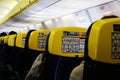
107, 13
48, 22
39, 25
81, 20
21, 30
67, 16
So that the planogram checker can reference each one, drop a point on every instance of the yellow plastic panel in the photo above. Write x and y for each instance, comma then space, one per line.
14, 7
67, 41
101, 45
37, 40
11, 40
20, 40
0, 39
5, 39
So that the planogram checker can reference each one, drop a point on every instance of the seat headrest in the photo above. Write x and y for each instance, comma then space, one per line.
5, 38
67, 41
11, 40
0, 39
20, 40
104, 41
37, 40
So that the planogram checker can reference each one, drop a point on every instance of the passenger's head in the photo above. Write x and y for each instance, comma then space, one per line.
3, 34
109, 16
12, 32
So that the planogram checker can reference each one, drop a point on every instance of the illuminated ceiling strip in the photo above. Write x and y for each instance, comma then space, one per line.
3, 7
21, 5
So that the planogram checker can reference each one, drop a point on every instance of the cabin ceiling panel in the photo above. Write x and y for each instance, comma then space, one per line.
46, 10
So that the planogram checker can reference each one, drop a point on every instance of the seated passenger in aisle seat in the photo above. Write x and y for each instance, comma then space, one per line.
77, 72
35, 68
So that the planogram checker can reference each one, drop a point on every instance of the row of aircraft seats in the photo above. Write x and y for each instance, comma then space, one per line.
18, 57
64, 51
100, 61
55, 54
4, 67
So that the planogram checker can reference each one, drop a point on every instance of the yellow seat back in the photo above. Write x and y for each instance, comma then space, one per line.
1, 38
67, 41
104, 41
37, 40
20, 40
11, 40
5, 38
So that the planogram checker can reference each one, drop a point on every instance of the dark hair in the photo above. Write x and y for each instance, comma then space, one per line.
12, 32
110, 16
3, 34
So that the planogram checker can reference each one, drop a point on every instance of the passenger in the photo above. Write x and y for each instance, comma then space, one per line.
77, 72
12, 32
37, 67
3, 34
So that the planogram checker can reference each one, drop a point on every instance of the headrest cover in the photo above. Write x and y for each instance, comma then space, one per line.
5, 38
0, 39
11, 40
104, 41
20, 40
67, 41
37, 40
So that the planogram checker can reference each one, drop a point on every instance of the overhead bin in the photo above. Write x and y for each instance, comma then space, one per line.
13, 7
